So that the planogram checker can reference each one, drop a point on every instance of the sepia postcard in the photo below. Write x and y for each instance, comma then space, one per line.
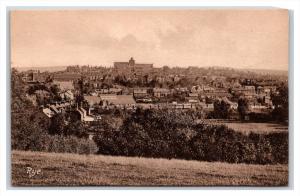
149, 97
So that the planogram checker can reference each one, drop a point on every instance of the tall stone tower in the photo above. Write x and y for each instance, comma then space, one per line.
131, 62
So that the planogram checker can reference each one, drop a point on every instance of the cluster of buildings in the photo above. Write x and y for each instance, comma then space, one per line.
132, 67
199, 95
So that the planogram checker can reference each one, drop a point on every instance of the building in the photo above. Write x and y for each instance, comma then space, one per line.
48, 112
74, 68
67, 95
66, 76
34, 76
181, 106
117, 91
140, 93
207, 106
132, 67
64, 85
51, 109
161, 92
83, 115
196, 89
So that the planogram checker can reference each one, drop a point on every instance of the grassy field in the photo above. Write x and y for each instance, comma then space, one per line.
247, 127
89, 170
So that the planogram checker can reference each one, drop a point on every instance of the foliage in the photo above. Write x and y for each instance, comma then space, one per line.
221, 109
243, 107
171, 134
71, 144
281, 103
58, 124
19, 101
30, 128
29, 132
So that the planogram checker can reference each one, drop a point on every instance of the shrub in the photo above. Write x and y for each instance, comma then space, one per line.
29, 132
71, 144
168, 134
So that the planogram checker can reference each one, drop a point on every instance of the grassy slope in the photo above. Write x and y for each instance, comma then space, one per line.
247, 127
76, 170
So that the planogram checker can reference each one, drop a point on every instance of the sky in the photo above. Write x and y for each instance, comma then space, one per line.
238, 38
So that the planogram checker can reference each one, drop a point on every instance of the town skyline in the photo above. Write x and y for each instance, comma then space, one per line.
201, 38
63, 67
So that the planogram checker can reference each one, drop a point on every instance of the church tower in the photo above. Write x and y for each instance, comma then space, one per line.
131, 62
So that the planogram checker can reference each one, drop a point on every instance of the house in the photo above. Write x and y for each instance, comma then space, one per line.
96, 84
271, 89
217, 93
161, 92
67, 95
247, 91
117, 91
257, 107
74, 68
208, 89
196, 89
48, 112
140, 93
182, 89
55, 109
267, 100
64, 85
103, 91
207, 106
83, 115
66, 76
192, 98
250, 89
176, 105
233, 105
193, 95
62, 106
260, 90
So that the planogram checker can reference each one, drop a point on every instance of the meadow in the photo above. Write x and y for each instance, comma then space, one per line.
247, 127
62, 169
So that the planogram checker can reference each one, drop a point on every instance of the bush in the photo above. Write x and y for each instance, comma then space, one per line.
29, 132
174, 135
71, 144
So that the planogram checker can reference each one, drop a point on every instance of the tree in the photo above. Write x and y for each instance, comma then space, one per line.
29, 132
57, 125
19, 101
243, 107
281, 103
75, 128
221, 109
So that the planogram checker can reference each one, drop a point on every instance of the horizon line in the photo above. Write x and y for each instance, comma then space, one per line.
228, 67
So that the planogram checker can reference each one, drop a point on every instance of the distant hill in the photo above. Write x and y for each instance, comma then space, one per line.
252, 70
42, 69
268, 71
256, 71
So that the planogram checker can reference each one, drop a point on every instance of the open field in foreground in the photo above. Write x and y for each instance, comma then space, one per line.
247, 127
89, 170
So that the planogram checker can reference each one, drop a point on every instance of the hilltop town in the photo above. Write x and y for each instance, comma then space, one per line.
129, 85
